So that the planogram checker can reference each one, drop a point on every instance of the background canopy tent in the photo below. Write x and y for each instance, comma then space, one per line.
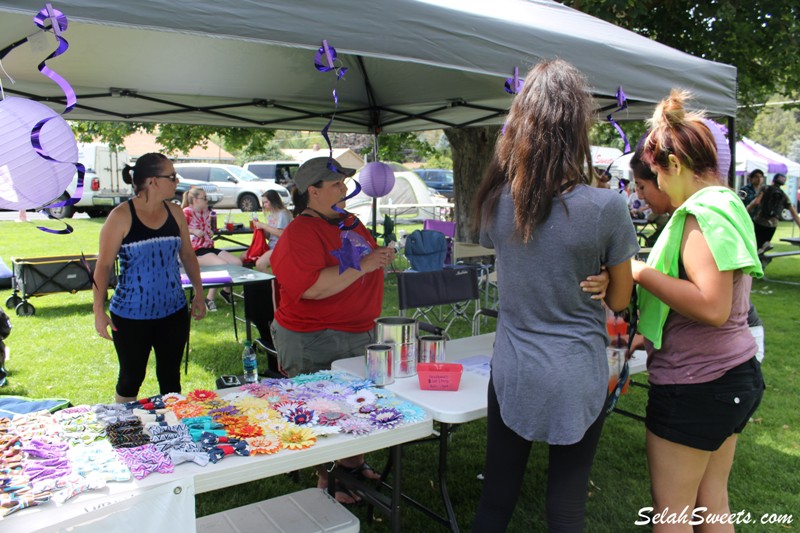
412, 64
751, 155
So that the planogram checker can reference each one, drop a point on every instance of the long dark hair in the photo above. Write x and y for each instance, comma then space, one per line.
274, 200
147, 166
545, 143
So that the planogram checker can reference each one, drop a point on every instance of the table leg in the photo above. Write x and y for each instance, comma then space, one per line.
397, 492
444, 434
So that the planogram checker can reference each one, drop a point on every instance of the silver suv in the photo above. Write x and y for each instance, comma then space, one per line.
241, 189
281, 172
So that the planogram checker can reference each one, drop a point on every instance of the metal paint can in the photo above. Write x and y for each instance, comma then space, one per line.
401, 333
431, 349
380, 366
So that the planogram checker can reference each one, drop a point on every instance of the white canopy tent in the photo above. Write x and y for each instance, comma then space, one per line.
751, 155
413, 64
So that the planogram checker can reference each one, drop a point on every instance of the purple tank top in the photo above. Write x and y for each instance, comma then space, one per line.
692, 352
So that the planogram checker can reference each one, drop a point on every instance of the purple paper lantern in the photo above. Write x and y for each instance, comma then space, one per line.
27, 180
723, 150
377, 179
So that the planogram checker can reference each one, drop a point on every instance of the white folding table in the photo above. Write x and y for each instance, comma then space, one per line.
230, 471
448, 408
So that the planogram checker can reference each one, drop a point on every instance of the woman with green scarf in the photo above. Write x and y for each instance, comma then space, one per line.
693, 299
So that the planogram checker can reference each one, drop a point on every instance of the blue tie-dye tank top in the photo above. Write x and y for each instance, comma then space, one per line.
149, 283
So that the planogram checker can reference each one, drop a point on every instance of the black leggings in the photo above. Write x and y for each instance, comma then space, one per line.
133, 340
506, 460
763, 234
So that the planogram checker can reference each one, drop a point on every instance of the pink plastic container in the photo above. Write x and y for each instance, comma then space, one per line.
439, 376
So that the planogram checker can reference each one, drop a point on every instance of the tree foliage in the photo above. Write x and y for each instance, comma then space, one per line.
759, 37
176, 137
777, 128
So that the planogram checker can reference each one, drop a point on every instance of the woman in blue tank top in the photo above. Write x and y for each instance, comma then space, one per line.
148, 309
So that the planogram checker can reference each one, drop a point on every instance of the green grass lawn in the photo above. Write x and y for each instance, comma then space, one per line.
57, 353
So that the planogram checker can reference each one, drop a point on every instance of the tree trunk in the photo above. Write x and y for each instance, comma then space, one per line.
472, 150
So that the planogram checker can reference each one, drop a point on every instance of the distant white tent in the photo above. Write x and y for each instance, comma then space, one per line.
409, 190
775, 162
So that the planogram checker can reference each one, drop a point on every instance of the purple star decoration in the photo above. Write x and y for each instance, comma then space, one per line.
354, 247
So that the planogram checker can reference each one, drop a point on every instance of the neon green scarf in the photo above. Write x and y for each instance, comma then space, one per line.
730, 236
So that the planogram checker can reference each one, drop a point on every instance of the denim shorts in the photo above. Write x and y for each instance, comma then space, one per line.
703, 415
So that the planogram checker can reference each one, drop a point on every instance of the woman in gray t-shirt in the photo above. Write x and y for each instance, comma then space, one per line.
550, 231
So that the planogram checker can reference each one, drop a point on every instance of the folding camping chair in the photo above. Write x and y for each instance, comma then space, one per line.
449, 231
455, 287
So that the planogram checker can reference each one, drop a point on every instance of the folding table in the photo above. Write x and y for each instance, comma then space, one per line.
450, 408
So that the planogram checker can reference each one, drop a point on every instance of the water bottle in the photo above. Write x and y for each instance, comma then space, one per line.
213, 217
249, 363
253, 220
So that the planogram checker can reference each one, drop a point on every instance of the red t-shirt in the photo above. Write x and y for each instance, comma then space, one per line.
201, 221
303, 250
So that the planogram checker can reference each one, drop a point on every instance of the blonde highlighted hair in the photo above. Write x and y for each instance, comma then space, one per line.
684, 134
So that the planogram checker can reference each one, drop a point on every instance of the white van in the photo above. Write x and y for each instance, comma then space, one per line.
281, 172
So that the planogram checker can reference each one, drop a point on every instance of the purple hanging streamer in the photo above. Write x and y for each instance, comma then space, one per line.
324, 61
58, 23
622, 103
513, 85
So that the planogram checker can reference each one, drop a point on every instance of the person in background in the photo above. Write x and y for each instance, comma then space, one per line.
705, 381
148, 309
278, 217
766, 211
549, 376
198, 218
749, 192
658, 203
330, 272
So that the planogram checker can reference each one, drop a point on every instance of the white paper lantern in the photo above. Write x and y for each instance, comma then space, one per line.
28, 180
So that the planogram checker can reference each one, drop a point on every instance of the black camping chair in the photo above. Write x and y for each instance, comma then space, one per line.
456, 288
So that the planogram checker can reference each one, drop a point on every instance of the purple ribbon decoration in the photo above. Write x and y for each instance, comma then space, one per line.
324, 61
622, 103
514, 85
58, 23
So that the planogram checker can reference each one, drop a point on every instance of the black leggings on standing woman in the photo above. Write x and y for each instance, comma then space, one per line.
506, 461
134, 339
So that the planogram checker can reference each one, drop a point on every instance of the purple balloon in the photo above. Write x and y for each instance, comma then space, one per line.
27, 180
377, 179
723, 150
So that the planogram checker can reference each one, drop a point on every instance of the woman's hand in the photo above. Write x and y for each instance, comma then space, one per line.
596, 284
378, 258
101, 323
198, 306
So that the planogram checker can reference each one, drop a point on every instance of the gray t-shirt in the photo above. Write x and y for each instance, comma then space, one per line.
549, 366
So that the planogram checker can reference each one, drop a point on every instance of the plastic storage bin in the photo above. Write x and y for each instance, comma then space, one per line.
309, 511
439, 376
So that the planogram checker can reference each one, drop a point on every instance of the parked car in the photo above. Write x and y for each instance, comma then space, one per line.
438, 179
240, 188
282, 172
212, 191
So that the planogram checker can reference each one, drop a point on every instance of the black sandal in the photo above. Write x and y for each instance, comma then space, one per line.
359, 472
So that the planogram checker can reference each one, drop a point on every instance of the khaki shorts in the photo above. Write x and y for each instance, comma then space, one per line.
307, 352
